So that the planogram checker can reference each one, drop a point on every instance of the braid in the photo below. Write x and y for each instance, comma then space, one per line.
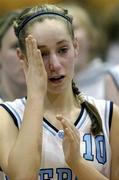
96, 126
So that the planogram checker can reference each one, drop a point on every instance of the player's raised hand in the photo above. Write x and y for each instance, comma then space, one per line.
71, 142
36, 76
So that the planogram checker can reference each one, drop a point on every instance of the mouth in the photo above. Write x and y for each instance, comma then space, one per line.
57, 79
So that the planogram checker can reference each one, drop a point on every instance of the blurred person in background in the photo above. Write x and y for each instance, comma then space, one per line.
111, 26
12, 79
89, 68
112, 84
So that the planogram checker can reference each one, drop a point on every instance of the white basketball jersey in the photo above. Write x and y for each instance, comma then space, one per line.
96, 150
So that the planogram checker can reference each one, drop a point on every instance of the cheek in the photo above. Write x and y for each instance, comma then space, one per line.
11, 60
10, 54
71, 62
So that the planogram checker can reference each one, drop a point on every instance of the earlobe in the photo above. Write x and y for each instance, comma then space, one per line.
20, 55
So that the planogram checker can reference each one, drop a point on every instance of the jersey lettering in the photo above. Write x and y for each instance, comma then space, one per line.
62, 174
46, 174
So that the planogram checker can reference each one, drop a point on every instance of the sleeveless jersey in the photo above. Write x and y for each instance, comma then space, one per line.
95, 149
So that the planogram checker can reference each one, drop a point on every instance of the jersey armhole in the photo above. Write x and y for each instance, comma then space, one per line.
11, 114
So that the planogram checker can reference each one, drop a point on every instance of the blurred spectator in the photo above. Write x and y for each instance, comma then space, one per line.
12, 79
111, 25
89, 67
112, 85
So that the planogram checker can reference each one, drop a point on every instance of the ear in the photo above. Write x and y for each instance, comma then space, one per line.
23, 61
20, 54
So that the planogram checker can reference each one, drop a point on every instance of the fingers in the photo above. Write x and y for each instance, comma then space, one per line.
68, 128
31, 48
28, 48
68, 132
33, 53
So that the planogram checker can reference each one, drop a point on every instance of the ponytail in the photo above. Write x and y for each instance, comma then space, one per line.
96, 126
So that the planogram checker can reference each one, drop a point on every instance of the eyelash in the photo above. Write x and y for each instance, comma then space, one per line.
62, 50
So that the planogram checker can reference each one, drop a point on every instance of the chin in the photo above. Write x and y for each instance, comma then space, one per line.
56, 91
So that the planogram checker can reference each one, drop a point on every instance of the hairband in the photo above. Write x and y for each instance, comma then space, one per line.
39, 14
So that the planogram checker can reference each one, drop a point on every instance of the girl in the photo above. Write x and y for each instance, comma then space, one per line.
55, 132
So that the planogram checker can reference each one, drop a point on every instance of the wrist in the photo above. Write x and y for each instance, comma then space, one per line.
36, 96
77, 165
39, 99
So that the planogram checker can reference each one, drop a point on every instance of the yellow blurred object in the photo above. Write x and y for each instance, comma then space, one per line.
9, 5
102, 5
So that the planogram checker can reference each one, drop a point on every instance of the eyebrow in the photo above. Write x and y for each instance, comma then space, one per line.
58, 43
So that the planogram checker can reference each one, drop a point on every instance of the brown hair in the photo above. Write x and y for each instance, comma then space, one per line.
96, 126
38, 14
21, 26
5, 22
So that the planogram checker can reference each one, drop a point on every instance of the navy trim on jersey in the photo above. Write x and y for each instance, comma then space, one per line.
49, 124
12, 115
75, 123
110, 114
80, 115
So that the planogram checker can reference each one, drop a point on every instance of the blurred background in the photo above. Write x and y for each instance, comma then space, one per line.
96, 26
102, 13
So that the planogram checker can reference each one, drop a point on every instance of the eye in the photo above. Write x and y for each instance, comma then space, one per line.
14, 46
45, 55
63, 50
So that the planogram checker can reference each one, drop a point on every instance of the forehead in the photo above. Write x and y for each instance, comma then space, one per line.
50, 30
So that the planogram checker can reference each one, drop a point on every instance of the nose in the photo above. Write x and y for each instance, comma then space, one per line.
54, 63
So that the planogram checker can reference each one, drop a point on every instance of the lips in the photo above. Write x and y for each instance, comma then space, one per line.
56, 79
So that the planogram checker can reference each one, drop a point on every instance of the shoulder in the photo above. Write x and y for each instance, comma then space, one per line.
8, 134
9, 110
114, 133
115, 120
100, 104
15, 109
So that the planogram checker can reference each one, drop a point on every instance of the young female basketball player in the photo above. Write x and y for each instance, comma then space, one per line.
55, 132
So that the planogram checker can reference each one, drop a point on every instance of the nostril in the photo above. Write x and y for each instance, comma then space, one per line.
54, 65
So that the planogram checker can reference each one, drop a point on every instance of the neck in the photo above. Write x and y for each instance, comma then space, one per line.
61, 103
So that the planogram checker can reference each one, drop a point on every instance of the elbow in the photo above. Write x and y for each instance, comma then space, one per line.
23, 176
18, 170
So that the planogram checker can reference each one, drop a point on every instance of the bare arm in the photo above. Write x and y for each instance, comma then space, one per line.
114, 140
24, 156
30, 134
20, 151
71, 147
